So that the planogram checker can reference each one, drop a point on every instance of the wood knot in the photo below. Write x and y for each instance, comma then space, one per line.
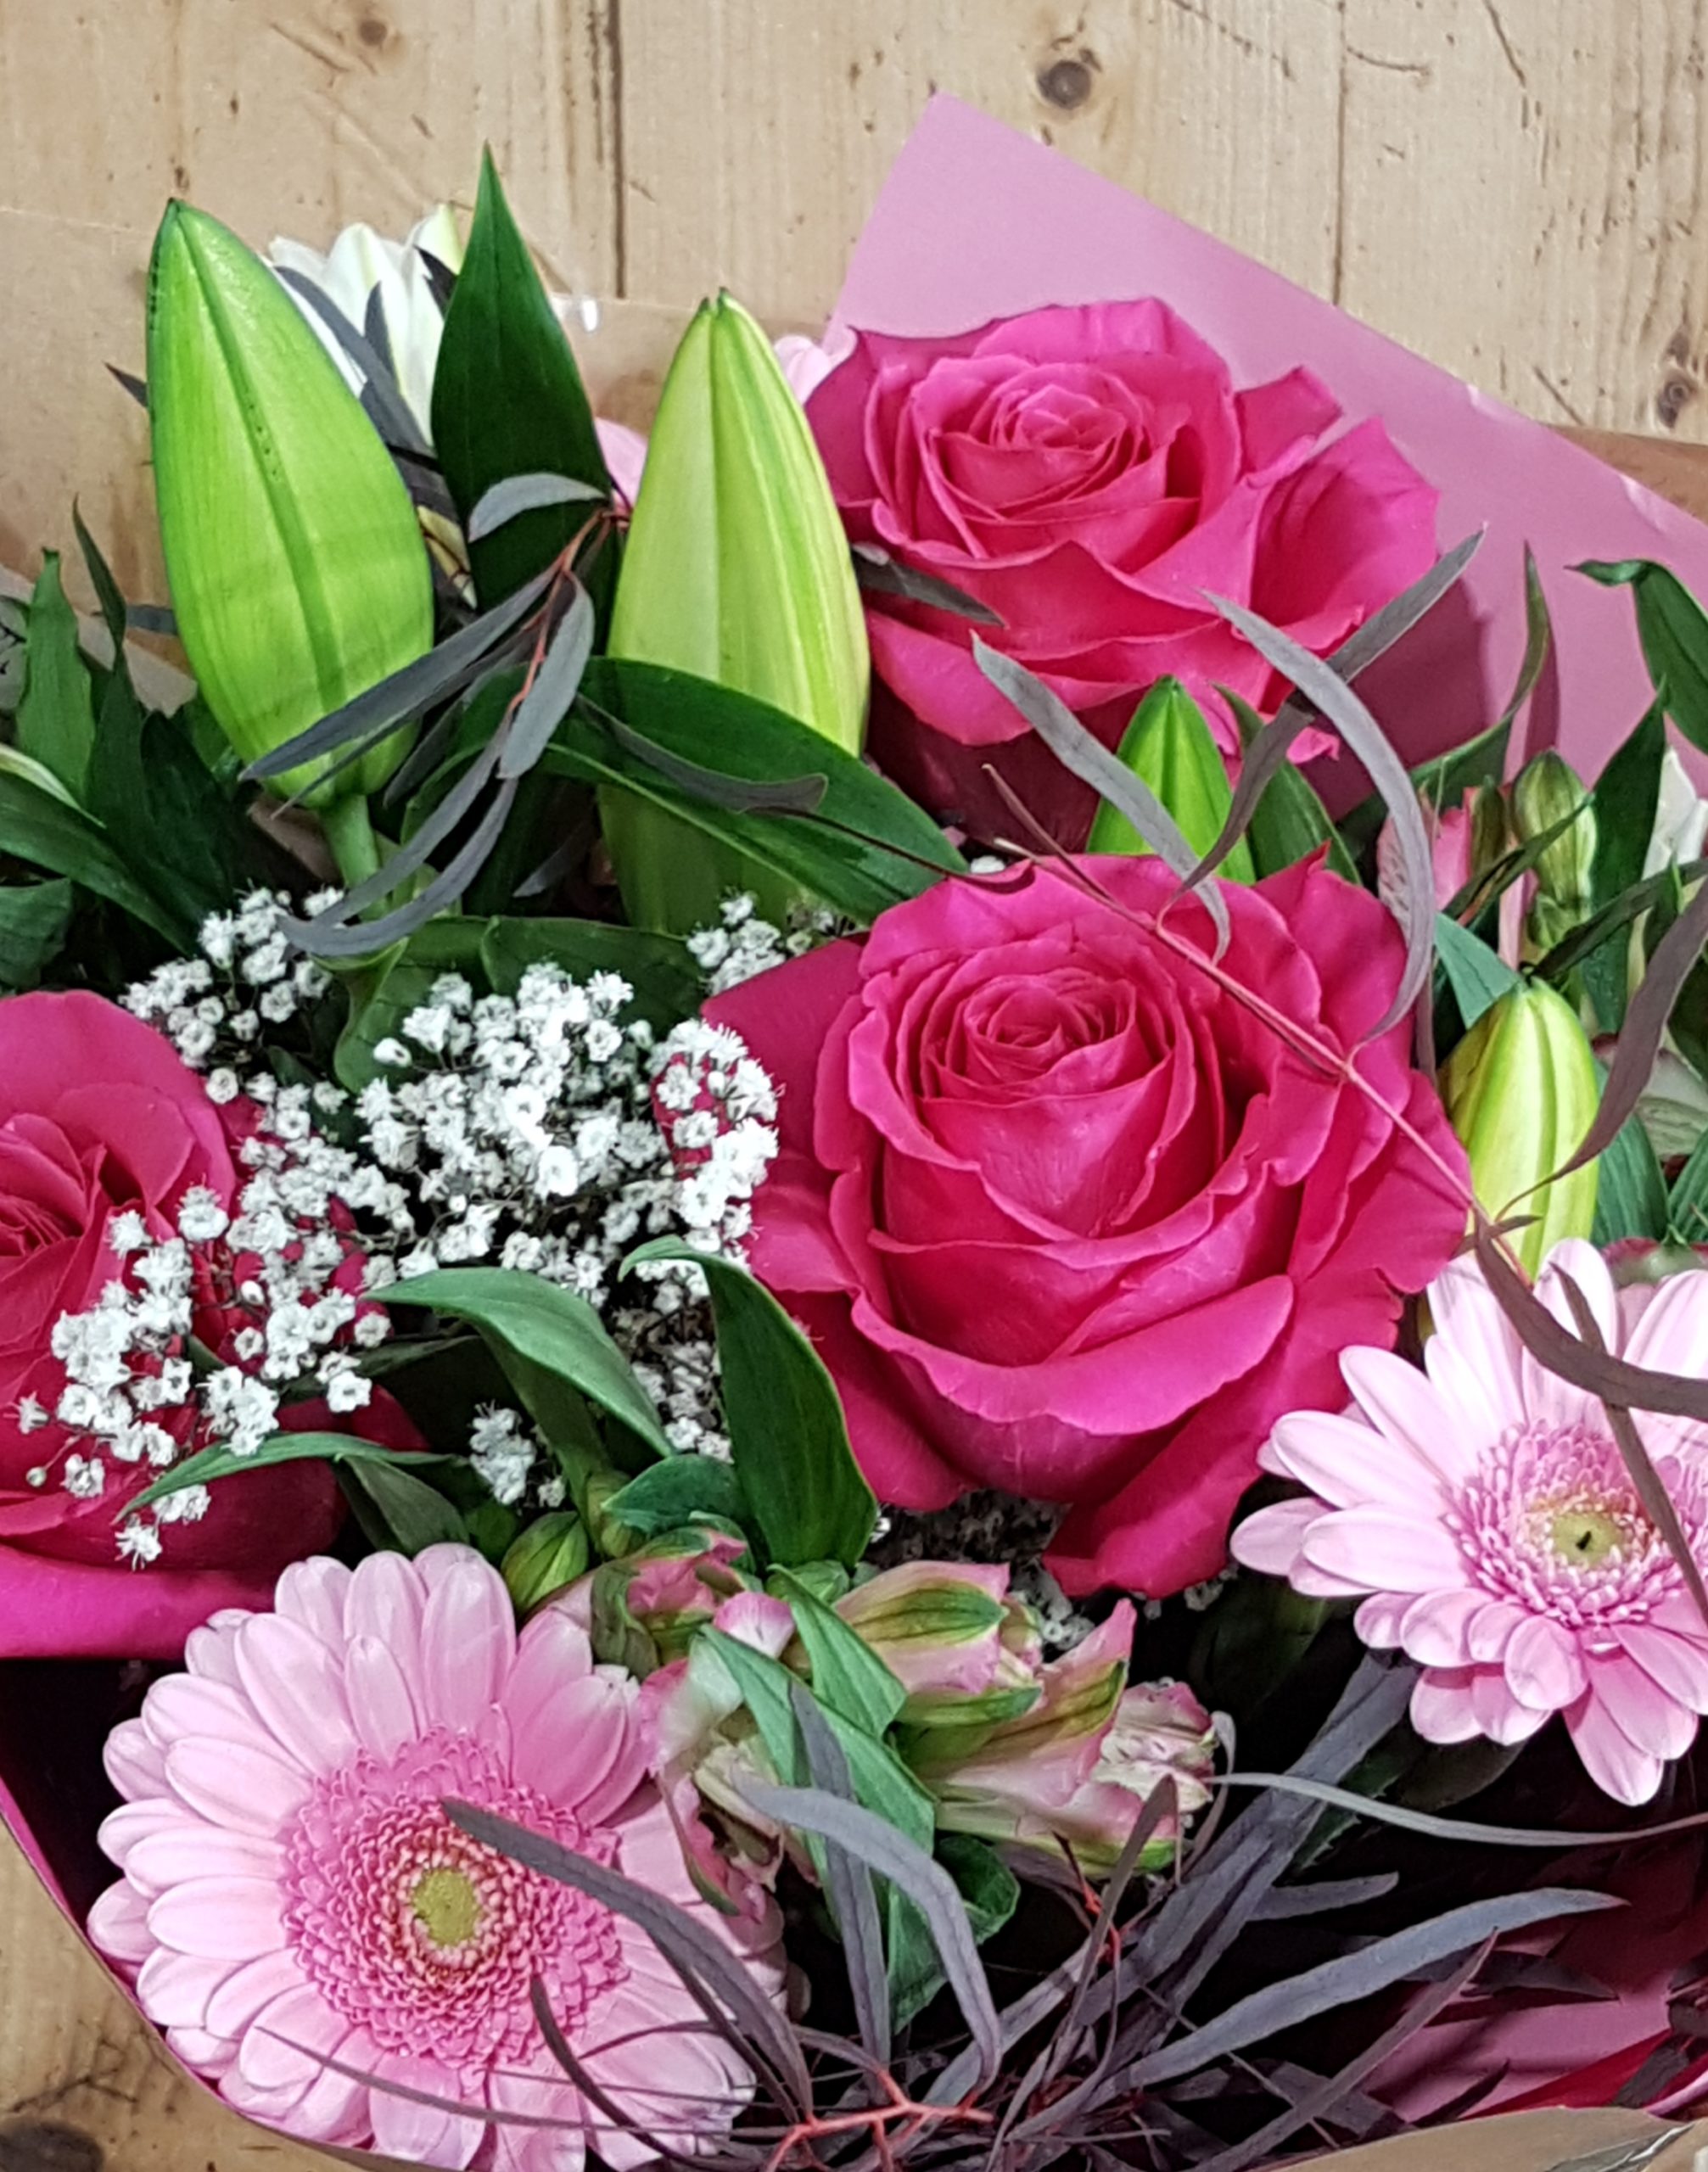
1068, 82
47, 2146
1674, 396
373, 31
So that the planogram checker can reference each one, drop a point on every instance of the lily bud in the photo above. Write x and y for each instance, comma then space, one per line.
1546, 792
1521, 1091
296, 568
545, 1560
1073, 1773
1168, 746
736, 568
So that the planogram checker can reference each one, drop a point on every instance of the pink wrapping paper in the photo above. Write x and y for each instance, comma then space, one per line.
976, 222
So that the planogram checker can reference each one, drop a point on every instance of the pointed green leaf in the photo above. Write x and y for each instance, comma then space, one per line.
56, 716
39, 826
848, 1675
33, 921
1290, 821
1673, 629
508, 400
787, 1436
1477, 976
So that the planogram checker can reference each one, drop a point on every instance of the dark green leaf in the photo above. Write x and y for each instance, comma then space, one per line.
667, 983
33, 921
521, 1316
1630, 1193
37, 827
1477, 975
404, 1511
1624, 801
1674, 632
989, 1890
1688, 1206
508, 400
56, 715
848, 1675
208, 1465
107, 590
670, 1496
787, 1434
866, 847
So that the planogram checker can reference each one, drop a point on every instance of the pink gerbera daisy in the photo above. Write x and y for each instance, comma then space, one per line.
293, 1895
1481, 1510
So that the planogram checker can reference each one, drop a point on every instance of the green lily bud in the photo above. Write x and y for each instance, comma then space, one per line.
295, 563
1168, 746
736, 568
1521, 1091
1548, 790
548, 1556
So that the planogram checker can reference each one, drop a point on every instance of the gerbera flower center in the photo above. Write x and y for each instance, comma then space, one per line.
1552, 1521
426, 1938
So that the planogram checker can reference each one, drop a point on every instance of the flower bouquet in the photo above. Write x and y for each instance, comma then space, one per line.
852, 1261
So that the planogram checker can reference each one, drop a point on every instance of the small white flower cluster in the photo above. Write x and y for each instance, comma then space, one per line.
508, 1455
745, 945
141, 1391
547, 1131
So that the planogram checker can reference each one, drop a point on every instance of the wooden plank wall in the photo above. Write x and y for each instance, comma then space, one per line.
1513, 186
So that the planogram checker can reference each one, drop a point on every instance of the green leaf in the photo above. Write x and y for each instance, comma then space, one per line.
37, 826
670, 1496
848, 1675
33, 921
1688, 1208
987, 1886
787, 1435
521, 1317
668, 986
401, 1512
1631, 1192
866, 847
1673, 629
508, 400
1477, 975
384, 991
56, 716
1168, 746
1290, 822
1624, 800
208, 1465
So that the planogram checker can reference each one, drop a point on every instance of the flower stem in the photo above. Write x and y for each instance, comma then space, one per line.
349, 833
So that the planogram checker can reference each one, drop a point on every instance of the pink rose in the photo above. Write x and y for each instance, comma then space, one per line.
1064, 1218
98, 1116
1087, 473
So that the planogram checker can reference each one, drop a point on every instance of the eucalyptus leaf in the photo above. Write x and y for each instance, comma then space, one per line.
880, 574
788, 1438
520, 494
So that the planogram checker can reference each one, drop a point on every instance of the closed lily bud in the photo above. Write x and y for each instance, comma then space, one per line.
1168, 746
1521, 1091
1547, 792
545, 1560
736, 568
297, 572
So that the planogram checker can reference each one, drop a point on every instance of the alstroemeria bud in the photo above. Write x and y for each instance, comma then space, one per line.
736, 568
1521, 1091
1076, 1770
643, 1610
1168, 746
1547, 793
545, 1560
296, 567
945, 1626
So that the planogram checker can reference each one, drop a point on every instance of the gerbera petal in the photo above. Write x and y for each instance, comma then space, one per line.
1679, 1663
551, 1652
1381, 1618
221, 1919
468, 1642
1344, 1461
135, 1764
1655, 1720
1499, 1715
312, 1593
295, 1684
1441, 1707
1404, 1407
420, 2133
1610, 1758
587, 1740
1493, 1630
231, 1783
1269, 1540
240, 1997
1470, 1323
173, 1988
1379, 1549
381, 1707
1544, 1668
118, 1923
189, 1848
285, 2047
1433, 1627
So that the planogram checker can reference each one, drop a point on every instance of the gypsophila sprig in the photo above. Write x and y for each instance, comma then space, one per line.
546, 1130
